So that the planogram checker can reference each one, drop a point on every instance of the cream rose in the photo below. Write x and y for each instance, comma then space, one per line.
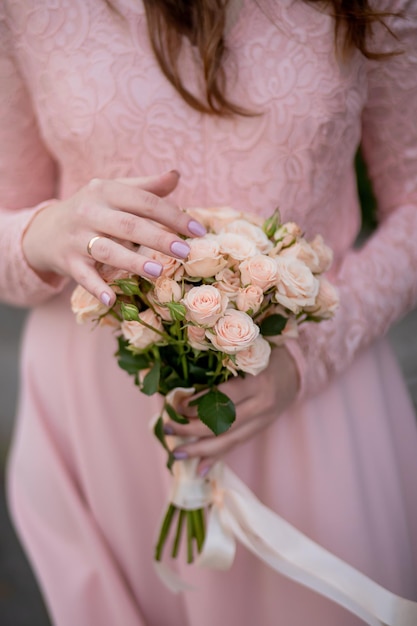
214, 218
205, 304
259, 270
324, 253
139, 335
205, 258
250, 298
228, 282
167, 290
254, 359
86, 306
197, 337
296, 286
233, 332
327, 300
250, 231
302, 251
236, 246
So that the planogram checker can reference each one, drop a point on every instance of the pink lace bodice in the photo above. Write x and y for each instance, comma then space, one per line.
81, 96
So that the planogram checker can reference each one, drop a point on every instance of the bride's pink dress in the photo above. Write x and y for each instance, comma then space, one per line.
81, 96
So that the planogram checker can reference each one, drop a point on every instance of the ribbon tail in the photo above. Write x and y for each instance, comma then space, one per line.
219, 545
171, 579
297, 557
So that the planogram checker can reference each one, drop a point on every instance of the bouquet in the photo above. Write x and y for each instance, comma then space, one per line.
245, 287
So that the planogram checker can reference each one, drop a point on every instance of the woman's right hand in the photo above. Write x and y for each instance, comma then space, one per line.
115, 211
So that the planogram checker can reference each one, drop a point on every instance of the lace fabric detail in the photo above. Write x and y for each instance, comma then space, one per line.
88, 100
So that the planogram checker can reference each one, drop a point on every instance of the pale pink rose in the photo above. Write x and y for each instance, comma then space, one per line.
172, 268
327, 300
302, 251
160, 309
296, 286
204, 304
259, 270
290, 231
167, 290
233, 332
214, 218
205, 258
236, 246
254, 359
250, 298
228, 363
324, 253
253, 218
196, 336
85, 306
250, 231
228, 282
139, 335
109, 273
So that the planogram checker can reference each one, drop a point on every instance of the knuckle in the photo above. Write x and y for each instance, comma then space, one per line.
95, 185
127, 225
101, 249
151, 202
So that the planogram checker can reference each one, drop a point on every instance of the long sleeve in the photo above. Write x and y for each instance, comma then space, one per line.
377, 283
27, 178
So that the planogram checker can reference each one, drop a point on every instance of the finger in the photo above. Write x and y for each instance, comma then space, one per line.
125, 226
160, 184
220, 445
86, 275
105, 250
195, 428
125, 197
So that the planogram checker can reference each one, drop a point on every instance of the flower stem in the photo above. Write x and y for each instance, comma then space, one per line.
166, 524
178, 534
190, 537
198, 523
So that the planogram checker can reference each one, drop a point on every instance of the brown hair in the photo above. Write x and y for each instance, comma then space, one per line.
203, 22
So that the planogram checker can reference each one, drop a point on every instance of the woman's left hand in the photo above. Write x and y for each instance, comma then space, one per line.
259, 400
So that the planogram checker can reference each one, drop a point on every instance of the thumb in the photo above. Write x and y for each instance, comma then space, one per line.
160, 184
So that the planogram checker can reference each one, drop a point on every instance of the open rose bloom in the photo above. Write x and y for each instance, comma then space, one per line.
245, 287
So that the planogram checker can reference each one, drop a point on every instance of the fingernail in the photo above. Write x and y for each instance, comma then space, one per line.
196, 228
174, 172
168, 430
105, 298
180, 455
152, 268
204, 471
181, 249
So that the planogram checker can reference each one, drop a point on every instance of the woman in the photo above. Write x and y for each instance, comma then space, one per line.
94, 109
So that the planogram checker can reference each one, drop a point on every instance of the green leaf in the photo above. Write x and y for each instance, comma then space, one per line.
160, 435
273, 325
130, 312
151, 381
128, 361
176, 417
215, 410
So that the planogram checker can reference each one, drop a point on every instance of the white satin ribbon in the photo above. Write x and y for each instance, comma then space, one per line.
236, 514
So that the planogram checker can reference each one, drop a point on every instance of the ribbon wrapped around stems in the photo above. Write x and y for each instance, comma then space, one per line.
236, 514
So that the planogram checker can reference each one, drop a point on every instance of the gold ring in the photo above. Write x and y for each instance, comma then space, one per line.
91, 243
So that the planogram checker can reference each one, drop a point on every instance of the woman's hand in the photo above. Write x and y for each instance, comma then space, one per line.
259, 400
113, 211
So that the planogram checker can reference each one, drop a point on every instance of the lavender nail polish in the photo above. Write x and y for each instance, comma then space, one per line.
180, 248
152, 268
196, 228
105, 298
204, 471
168, 430
180, 455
